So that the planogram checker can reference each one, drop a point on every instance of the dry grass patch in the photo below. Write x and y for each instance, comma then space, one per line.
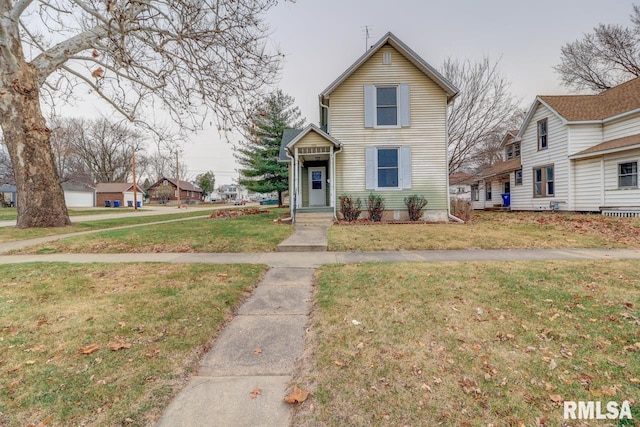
105, 344
493, 230
247, 233
472, 344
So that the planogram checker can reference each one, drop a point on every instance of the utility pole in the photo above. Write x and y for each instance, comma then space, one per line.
135, 185
178, 177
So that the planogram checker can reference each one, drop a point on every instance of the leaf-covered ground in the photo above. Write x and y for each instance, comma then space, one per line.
106, 345
493, 230
472, 344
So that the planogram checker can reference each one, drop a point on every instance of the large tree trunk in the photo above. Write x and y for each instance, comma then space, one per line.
40, 197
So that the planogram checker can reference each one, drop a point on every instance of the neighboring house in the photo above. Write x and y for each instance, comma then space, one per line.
189, 193
232, 192
382, 130
460, 185
8, 196
121, 192
581, 152
493, 187
78, 195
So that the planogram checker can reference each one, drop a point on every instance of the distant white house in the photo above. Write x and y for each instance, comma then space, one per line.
460, 186
77, 195
578, 153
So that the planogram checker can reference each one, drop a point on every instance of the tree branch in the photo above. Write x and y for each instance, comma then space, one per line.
19, 8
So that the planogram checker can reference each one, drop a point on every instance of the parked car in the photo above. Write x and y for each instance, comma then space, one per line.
238, 202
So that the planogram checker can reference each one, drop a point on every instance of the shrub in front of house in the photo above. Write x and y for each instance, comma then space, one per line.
350, 208
415, 204
375, 207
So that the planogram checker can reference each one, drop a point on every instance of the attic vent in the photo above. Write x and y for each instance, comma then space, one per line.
386, 58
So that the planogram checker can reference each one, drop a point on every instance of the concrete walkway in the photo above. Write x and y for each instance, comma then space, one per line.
255, 353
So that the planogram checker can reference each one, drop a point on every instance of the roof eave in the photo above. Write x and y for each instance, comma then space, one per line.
579, 156
448, 87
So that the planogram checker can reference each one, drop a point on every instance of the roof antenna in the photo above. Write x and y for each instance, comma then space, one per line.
366, 30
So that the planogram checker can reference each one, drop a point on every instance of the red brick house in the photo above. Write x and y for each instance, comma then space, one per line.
165, 190
121, 192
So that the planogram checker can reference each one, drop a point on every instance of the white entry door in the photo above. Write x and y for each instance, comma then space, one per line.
317, 186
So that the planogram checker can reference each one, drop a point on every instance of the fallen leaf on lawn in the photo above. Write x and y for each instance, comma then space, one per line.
338, 363
553, 365
256, 391
634, 380
634, 347
92, 348
556, 398
297, 396
122, 324
119, 345
45, 422
30, 362
222, 274
355, 322
257, 351
608, 391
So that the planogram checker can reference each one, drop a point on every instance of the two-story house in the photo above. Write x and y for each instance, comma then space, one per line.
382, 130
578, 153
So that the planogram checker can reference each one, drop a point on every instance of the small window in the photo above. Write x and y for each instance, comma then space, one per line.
388, 168
386, 58
386, 106
543, 182
542, 135
475, 192
518, 177
516, 150
316, 180
628, 174
509, 152
487, 192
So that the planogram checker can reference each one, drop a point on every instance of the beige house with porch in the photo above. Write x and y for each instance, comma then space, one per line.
382, 130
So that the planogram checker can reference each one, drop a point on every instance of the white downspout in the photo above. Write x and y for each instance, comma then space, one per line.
446, 148
333, 181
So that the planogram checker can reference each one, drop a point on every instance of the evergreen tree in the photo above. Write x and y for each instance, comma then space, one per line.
206, 182
257, 154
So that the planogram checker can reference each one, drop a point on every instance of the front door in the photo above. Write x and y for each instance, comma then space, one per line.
317, 189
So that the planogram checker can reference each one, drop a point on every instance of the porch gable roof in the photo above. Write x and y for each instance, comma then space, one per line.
291, 137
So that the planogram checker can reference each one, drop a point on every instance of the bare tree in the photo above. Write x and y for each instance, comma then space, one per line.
193, 57
6, 168
69, 165
608, 56
484, 109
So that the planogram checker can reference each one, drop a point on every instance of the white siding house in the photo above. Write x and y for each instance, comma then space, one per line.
382, 130
580, 153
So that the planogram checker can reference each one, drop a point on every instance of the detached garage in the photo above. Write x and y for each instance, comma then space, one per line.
121, 192
78, 195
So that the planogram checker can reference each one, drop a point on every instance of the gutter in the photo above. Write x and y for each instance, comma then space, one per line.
335, 197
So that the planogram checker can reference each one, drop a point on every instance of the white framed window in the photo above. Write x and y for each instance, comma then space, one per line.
628, 174
487, 191
475, 192
386, 106
388, 167
543, 142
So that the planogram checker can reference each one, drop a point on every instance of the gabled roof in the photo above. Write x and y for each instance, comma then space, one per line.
461, 178
509, 137
184, 185
610, 103
289, 139
502, 167
615, 145
405, 51
77, 186
115, 187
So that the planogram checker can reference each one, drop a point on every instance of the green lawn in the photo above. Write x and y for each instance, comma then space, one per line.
492, 230
9, 234
7, 214
99, 345
250, 233
471, 344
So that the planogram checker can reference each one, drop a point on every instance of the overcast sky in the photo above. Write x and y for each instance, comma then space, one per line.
321, 38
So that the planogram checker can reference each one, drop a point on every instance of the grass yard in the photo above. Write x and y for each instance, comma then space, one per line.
250, 233
101, 344
10, 234
7, 214
473, 344
493, 230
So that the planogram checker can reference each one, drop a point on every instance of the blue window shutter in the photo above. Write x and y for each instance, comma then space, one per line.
369, 105
370, 171
405, 113
406, 167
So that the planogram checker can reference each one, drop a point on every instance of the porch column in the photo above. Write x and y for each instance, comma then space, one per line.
296, 178
332, 174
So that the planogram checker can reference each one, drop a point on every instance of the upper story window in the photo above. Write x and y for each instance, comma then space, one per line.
628, 174
542, 134
386, 106
512, 151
